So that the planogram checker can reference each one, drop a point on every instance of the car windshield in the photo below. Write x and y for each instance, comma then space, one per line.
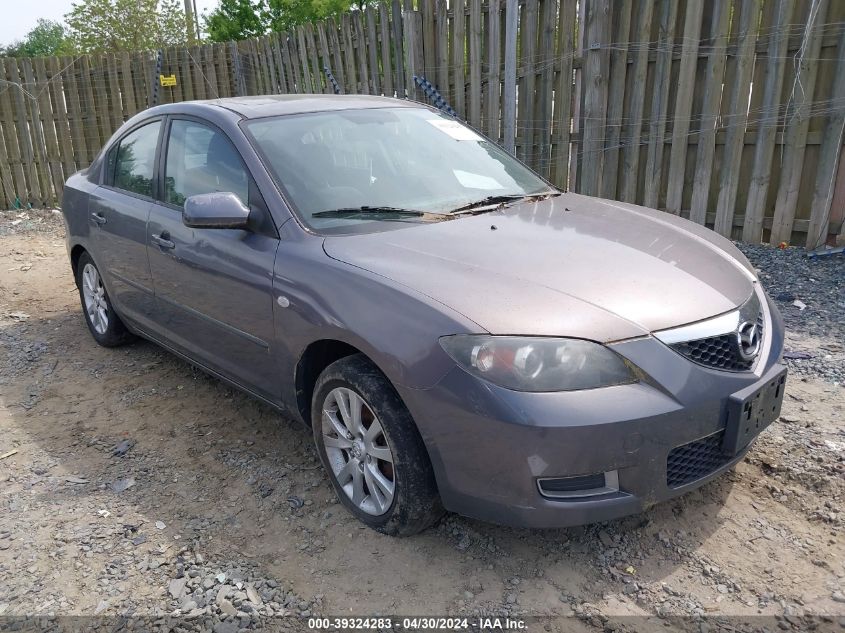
412, 163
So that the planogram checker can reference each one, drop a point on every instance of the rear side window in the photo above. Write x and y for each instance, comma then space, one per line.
202, 160
134, 160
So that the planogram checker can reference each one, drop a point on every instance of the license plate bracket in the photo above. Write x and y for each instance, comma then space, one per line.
752, 410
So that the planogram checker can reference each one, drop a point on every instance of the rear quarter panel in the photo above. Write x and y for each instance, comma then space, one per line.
75, 199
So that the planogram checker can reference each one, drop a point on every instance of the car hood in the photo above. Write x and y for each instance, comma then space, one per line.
566, 266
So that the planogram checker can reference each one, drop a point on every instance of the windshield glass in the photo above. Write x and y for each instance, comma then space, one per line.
401, 158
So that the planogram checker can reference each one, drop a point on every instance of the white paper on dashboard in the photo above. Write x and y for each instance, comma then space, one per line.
476, 181
455, 130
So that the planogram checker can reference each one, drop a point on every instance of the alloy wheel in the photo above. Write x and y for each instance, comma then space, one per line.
360, 457
94, 295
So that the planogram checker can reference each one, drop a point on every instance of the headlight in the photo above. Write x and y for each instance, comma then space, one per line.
538, 364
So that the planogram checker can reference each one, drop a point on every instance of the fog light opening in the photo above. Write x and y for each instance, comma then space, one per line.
579, 487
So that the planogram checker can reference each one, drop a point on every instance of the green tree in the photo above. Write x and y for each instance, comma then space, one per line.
286, 14
242, 19
46, 39
97, 26
237, 20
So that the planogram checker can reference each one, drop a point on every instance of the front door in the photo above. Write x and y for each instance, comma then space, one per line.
213, 287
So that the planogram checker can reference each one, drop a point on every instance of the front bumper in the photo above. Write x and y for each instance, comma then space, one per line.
489, 446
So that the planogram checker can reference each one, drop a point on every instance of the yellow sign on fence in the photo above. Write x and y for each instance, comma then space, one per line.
169, 80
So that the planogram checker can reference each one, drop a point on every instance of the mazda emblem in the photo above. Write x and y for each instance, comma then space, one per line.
748, 340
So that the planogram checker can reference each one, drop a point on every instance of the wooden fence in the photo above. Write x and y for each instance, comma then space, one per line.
730, 113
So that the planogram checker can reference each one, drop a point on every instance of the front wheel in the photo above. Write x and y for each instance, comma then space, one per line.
372, 450
104, 324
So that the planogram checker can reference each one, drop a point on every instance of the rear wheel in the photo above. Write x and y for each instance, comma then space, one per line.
372, 450
104, 324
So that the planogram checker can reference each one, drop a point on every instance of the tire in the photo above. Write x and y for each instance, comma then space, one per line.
102, 320
415, 504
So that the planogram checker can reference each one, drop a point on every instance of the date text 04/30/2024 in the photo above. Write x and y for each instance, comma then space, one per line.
418, 623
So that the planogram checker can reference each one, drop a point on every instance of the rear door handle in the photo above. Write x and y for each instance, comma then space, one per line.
162, 241
97, 219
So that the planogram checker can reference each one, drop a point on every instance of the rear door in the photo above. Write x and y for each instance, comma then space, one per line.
118, 211
213, 286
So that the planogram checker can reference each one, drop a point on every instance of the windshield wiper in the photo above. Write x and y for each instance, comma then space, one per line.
367, 210
501, 199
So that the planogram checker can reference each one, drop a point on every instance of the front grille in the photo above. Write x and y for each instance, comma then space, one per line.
690, 462
715, 351
718, 352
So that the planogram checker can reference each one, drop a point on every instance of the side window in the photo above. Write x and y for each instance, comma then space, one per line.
202, 160
134, 160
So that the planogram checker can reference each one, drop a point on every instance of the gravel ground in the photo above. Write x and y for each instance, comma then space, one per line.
810, 293
133, 485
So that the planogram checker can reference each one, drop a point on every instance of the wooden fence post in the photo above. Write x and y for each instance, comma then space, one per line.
33, 189
578, 99
798, 122
706, 149
410, 24
459, 55
752, 229
545, 91
442, 45
509, 88
13, 147
372, 50
494, 84
386, 65
659, 104
736, 118
351, 85
634, 123
527, 82
563, 95
474, 110
79, 144
616, 101
45, 129
237, 70
829, 156
596, 66
839, 195
36, 129
7, 187
6, 159
798, 118
360, 50
398, 54
683, 106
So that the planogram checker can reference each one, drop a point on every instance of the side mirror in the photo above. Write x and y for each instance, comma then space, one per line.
219, 210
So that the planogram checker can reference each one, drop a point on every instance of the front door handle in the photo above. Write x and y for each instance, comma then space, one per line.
161, 240
97, 218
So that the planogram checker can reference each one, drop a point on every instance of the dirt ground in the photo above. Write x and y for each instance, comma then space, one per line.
216, 495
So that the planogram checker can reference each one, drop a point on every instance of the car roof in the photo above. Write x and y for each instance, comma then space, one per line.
275, 105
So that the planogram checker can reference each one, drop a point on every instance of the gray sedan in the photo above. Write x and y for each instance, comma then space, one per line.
457, 333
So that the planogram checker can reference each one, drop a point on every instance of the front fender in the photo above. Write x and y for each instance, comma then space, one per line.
396, 327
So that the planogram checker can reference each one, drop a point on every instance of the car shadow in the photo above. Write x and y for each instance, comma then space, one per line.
232, 478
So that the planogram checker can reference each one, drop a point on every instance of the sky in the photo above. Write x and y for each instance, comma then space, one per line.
19, 16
